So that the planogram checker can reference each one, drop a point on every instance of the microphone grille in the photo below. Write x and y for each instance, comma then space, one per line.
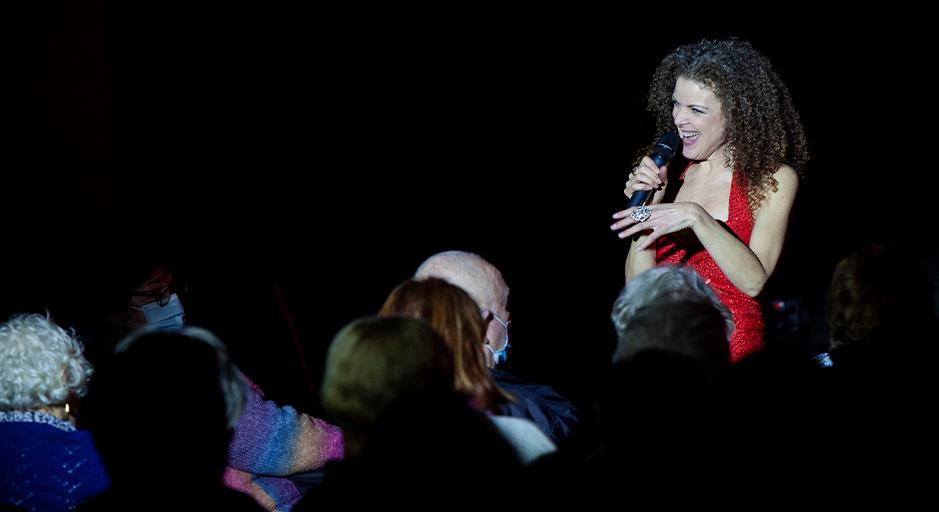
665, 147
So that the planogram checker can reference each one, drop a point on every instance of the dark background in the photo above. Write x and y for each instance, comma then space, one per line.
328, 153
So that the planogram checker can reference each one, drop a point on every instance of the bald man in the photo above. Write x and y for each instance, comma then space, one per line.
484, 283
554, 414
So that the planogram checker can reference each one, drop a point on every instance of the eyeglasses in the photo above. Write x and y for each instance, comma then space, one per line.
161, 296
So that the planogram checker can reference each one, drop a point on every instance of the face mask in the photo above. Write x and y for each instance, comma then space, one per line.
499, 356
169, 316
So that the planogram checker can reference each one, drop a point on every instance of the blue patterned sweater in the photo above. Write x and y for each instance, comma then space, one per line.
45, 464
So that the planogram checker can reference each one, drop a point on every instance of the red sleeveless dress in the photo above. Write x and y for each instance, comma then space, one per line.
683, 248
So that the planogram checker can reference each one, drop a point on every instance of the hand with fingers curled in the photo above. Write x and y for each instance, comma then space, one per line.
647, 176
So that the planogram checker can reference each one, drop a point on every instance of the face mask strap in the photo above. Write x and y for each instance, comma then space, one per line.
498, 356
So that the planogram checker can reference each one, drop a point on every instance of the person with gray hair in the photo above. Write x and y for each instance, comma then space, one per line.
667, 281
660, 295
659, 407
555, 415
45, 463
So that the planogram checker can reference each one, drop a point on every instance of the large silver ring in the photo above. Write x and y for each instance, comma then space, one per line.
641, 214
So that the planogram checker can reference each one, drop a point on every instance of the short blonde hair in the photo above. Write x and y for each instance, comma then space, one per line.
41, 364
373, 362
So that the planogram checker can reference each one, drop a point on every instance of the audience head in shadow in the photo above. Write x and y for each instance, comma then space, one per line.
372, 363
671, 308
880, 308
881, 314
657, 408
164, 411
665, 381
389, 385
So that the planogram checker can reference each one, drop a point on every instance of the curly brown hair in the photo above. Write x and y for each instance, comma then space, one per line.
763, 127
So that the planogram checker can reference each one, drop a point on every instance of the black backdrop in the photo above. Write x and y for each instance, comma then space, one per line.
328, 153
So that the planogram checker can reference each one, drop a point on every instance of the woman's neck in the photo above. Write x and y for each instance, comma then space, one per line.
714, 164
56, 411
712, 167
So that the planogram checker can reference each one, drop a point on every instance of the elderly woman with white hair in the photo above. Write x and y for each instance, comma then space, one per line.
45, 463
